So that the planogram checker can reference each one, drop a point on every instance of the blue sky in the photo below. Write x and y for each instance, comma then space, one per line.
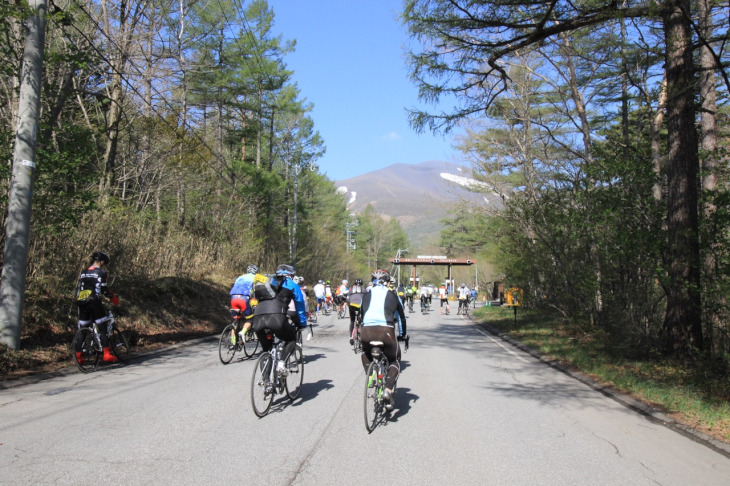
350, 63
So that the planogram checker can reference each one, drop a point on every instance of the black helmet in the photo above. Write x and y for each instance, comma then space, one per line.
100, 256
287, 270
381, 275
252, 269
358, 281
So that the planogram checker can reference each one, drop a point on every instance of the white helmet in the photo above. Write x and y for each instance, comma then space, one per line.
344, 282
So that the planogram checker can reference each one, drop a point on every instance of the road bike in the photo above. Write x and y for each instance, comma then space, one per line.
232, 341
374, 404
424, 305
463, 307
269, 379
87, 350
355, 336
342, 310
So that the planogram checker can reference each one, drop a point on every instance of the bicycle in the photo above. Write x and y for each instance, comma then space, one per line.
463, 307
268, 381
341, 311
87, 341
231, 341
374, 403
424, 305
357, 341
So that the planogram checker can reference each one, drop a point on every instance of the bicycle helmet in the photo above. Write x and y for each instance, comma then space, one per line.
344, 282
381, 275
283, 269
358, 281
252, 269
328, 282
296, 279
320, 282
100, 256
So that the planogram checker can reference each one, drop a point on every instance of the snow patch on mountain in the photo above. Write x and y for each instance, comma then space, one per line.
353, 194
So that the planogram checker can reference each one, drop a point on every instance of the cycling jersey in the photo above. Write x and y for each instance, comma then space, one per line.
463, 293
244, 284
381, 307
92, 285
341, 290
354, 297
318, 291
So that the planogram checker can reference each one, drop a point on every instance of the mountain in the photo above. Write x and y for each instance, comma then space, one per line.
417, 195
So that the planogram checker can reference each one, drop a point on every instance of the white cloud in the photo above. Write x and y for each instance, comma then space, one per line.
391, 136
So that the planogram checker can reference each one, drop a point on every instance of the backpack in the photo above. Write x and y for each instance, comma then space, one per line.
269, 288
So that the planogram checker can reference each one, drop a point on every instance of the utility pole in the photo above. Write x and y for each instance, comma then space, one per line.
17, 233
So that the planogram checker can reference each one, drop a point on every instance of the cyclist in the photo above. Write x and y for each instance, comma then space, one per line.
473, 296
305, 292
319, 294
354, 301
424, 296
328, 300
444, 296
274, 297
410, 292
463, 293
401, 291
341, 294
91, 286
241, 298
381, 313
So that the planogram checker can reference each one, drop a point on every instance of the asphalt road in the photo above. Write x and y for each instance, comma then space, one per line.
470, 409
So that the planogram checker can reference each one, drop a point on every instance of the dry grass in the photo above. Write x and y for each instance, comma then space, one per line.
156, 313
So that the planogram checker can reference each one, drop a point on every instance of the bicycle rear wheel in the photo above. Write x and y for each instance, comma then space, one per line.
84, 344
251, 345
226, 348
373, 397
262, 390
295, 373
119, 345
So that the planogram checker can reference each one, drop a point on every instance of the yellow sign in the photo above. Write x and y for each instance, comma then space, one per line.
513, 296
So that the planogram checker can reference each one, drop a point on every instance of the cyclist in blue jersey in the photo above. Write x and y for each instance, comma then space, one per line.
383, 319
241, 298
271, 312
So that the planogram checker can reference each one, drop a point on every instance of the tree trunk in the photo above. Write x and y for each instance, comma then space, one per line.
682, 323
715, 328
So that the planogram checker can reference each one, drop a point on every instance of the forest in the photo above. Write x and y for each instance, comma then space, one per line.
603, 126
172, 136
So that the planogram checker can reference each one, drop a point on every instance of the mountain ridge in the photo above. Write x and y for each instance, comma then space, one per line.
417, 195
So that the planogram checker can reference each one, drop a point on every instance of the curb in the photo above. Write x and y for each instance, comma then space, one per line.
39, 377
651, 413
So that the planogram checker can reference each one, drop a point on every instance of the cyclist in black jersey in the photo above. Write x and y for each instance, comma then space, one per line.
91, 287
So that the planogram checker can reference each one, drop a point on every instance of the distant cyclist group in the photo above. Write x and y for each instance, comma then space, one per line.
278, 306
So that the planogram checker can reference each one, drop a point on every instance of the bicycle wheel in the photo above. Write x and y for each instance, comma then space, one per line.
84, 343
341, 312
373, 397
295, 373
262, 390
251, 345
226, 348
119, 345
312, 317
